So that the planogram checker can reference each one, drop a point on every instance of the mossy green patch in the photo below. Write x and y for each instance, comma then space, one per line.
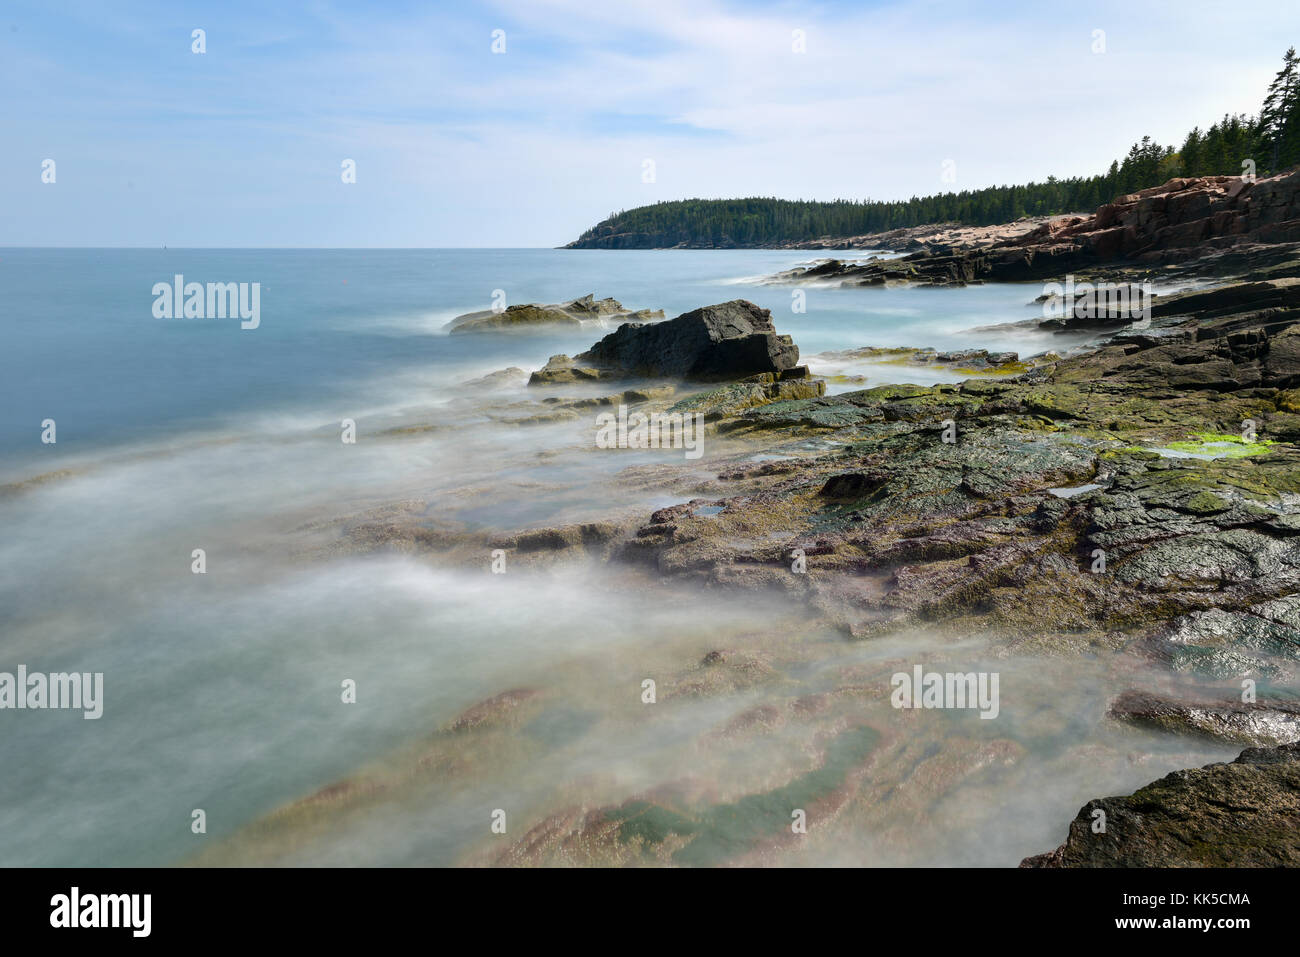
1007, 368
1222, 445
1205, 503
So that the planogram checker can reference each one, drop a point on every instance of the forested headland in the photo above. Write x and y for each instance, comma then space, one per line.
1269, 140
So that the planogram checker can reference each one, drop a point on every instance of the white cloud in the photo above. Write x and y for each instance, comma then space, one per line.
457, 146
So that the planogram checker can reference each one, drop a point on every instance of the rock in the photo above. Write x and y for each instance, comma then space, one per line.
1263, 639
499, 379
730, 340
1242, 814
561, 370
962, 356
524, 316
565, 536
588, 305
966, 361
533, 315
1231, 298
1257, 723
495, 711
853, 486
754, 391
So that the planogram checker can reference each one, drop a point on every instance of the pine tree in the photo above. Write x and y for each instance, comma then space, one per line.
1191, 152
1277, 119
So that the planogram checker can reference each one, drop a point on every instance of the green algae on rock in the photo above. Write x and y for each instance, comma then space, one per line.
1213, 445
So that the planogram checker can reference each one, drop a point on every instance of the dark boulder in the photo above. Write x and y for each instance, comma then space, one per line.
1243, 814
730, 340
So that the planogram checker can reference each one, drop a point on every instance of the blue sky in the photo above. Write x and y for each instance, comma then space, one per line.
457, 146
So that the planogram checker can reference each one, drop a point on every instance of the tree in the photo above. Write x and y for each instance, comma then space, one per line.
1278, 117
1191, 152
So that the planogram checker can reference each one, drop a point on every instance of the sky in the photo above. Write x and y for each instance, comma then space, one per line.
590, 106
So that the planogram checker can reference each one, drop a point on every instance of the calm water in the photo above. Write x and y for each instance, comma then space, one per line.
359, 330
222, 690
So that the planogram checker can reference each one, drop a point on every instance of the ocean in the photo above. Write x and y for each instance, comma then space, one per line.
346, 329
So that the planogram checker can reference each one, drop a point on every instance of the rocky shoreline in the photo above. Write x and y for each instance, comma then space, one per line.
1135, 504
1219, 226
903, 239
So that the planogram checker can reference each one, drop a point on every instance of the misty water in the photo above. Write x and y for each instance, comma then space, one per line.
222, 690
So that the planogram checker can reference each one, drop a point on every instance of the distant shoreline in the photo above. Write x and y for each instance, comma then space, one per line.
904, 239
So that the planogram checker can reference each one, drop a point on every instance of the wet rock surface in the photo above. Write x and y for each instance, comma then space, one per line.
945, 494
972, 362
1242, 814
751, 392
1255, 722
